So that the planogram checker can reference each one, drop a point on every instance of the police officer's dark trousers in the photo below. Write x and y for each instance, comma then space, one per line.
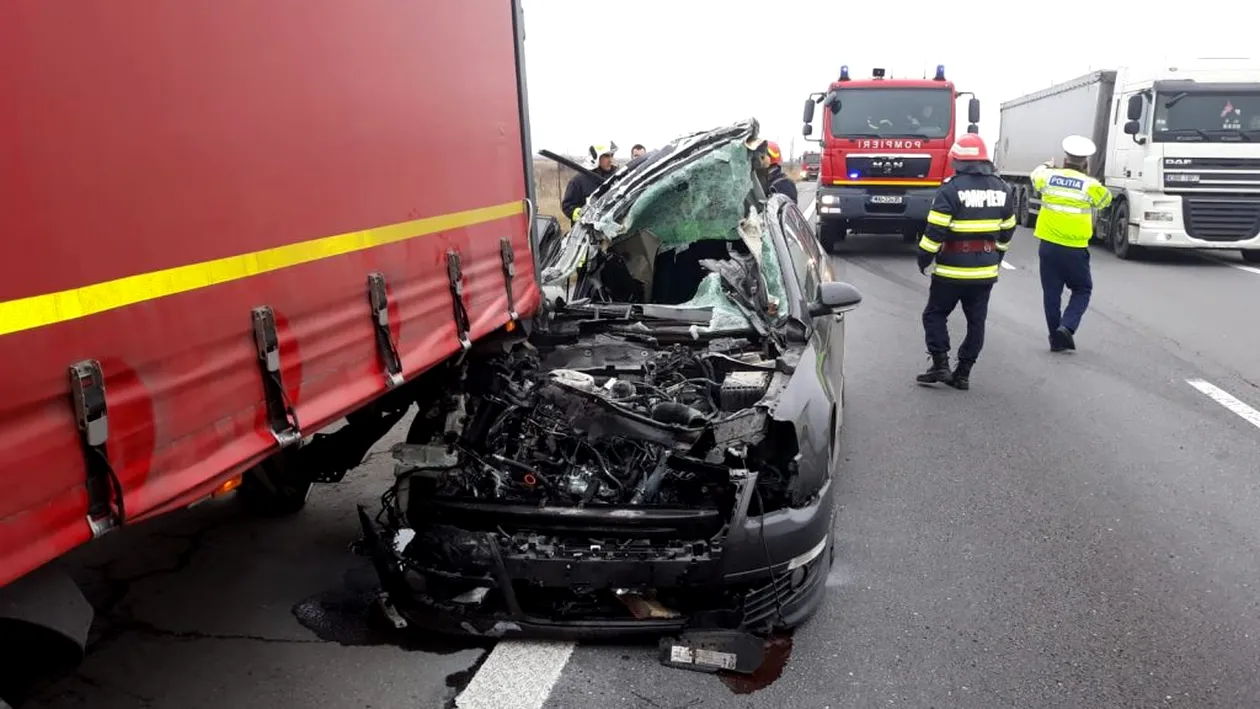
943, 296
1064, 266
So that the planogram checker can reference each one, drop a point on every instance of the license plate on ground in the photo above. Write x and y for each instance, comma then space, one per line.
887, 199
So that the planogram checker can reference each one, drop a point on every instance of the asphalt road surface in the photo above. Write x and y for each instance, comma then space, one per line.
1078, 530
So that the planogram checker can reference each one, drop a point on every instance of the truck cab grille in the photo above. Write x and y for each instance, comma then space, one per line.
1221, 217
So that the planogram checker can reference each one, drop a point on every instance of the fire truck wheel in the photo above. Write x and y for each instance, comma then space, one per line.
830, 234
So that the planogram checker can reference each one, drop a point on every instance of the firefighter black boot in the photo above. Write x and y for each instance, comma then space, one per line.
962, 376
938, 371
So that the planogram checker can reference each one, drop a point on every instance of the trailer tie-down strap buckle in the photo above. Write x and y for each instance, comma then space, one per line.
104, 491
378, 299
281, 417
508, 256
455, 274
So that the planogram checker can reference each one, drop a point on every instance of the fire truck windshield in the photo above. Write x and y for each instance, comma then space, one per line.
893, 112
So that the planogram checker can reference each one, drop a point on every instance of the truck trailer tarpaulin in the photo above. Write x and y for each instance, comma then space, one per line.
229, 224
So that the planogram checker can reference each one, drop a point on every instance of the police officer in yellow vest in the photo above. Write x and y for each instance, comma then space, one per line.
969, 229
1065, 226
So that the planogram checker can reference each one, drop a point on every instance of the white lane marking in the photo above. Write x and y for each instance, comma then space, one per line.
1224, 398
1239, 266
517, 674
809, 211
1007, 266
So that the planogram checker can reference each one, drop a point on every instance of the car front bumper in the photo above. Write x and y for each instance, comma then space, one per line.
734, 588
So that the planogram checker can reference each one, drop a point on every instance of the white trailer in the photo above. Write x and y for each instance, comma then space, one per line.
1179, 147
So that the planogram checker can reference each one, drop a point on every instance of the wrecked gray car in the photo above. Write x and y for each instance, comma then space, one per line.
657, 454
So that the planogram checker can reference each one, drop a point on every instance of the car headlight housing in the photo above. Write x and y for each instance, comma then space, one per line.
829, 199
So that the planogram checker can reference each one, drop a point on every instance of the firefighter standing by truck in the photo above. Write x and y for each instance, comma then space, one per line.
969, 229
582, 185
1065, 226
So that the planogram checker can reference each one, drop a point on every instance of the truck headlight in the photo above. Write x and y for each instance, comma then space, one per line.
1157, 216
829, 199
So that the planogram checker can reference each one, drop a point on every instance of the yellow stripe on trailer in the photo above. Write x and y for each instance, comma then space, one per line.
51, 308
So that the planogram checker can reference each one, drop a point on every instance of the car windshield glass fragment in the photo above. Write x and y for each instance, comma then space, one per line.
920, 113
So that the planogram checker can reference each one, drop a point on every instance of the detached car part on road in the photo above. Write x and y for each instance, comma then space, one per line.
657, 452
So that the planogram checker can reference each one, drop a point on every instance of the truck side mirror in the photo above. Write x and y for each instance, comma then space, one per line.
1131, 129
807, 130
808, 115
1135, 108
973, 128
973, 112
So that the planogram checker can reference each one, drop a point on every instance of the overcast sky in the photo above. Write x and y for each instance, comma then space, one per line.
646, 71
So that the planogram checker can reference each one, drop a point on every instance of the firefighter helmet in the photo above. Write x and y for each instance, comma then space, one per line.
773, 152
969, 147
598, 150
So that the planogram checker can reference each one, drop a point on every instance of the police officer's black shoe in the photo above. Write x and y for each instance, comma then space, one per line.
1057, 343
1066, 337
961, 378
938, 371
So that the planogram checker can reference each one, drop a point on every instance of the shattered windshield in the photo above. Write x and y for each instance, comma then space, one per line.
682, 237
703, 200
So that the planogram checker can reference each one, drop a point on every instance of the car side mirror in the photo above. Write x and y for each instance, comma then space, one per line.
835, 297
973, 111
808, 115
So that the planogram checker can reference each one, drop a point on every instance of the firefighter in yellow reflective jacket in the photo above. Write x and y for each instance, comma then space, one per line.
1065, 225
969, 230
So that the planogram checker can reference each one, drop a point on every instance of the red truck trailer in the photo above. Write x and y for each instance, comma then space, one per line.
228, 225
885, 143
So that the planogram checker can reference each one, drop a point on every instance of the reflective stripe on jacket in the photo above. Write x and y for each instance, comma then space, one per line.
969, 227
1068, 201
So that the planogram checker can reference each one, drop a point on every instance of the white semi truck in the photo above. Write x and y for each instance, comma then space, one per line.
1179, 148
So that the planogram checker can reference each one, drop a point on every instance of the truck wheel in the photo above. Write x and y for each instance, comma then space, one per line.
1120, 234
275, 489
830, 234
1251, 256
1021, 209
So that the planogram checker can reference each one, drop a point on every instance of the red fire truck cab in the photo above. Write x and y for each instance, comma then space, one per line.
885, 144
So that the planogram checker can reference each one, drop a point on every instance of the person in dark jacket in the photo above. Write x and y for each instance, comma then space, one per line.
969, 229
580, 187
770, 170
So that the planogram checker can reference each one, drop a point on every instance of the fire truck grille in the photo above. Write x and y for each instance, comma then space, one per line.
875, 166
